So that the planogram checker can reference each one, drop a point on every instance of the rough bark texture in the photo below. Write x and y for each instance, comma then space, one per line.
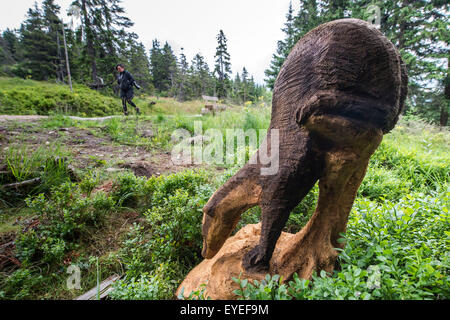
342, 87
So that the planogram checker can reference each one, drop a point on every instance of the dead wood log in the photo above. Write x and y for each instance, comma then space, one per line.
22, 184
105, 289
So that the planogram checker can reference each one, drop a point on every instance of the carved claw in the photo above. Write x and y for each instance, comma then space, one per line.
253, 263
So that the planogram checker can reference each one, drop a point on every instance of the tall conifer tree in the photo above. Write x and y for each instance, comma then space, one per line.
222, 68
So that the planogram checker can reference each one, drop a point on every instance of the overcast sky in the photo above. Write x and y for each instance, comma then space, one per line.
252, 27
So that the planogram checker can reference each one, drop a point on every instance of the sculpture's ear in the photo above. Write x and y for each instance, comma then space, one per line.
304, 110
318, 103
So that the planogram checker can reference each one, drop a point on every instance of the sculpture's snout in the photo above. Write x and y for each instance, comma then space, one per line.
210, 228
223, 211
207, 220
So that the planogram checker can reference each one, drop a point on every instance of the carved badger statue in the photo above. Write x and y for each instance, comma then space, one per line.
341, 88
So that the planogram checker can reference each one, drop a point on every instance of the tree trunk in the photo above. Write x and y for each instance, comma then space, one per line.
446, 102
59, 69
89, 41
69, 76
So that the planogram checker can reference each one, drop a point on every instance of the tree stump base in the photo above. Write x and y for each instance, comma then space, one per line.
217, 273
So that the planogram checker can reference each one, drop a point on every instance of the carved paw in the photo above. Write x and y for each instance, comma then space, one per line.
253, 262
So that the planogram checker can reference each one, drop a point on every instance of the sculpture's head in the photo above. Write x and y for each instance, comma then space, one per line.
211, 245
222, 213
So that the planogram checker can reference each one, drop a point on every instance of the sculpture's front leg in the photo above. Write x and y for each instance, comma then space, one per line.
281, 194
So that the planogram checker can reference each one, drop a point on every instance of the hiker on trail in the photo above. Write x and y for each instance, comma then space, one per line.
126, 83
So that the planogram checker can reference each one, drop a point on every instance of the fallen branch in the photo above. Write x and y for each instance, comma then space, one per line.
104, 289
22, 184
4, 259
4, 246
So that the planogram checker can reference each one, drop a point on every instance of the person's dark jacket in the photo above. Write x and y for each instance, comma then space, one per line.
126, 83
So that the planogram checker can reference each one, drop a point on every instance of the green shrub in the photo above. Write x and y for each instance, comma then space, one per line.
128, 190
303, 212
158, 285
160, 118
128, 132
381, 182
167, 186
56, 171
24, 97
393, 251
182, 122
54, 250
271, 288
64, 220
20, 285
199, 294
298, 218
27, 245
251, 122
89, 182
176, 227
171, 233
417, 167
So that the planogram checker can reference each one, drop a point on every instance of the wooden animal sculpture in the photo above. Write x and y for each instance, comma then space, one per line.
342, 87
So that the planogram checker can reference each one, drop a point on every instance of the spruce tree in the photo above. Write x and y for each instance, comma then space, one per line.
420, 31
104, 35
12, 45
245, 85
283, 49
10, 53
163, 65
112, 38
87, 10
237, 88
182, 77
50, 11
169, 67
202, 82
335, 9
39, 55
222, 68
155, 64
253, 92
6, 56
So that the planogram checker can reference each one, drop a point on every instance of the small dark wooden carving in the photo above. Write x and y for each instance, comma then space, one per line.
342, 87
